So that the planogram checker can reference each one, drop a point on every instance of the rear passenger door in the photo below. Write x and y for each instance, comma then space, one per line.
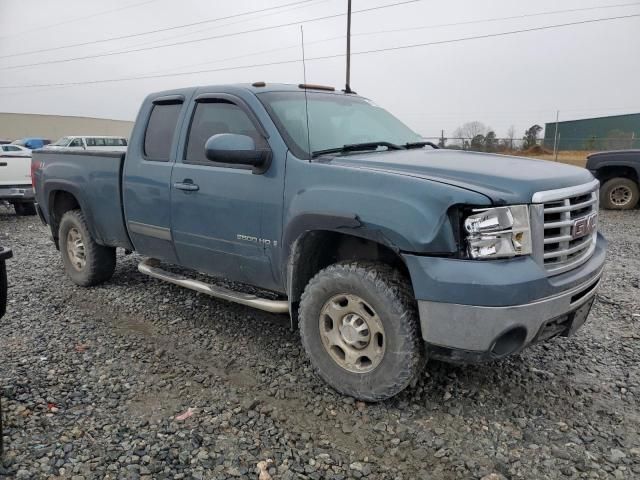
217, 208
147, 177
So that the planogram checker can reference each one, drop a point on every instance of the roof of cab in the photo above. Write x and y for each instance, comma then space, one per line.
256, 87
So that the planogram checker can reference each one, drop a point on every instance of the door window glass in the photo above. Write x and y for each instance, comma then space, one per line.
219, 117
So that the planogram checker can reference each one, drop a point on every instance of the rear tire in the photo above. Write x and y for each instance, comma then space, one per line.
619, 194
359, 327
24, 209
86, 262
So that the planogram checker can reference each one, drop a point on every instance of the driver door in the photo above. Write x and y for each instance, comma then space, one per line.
216, 208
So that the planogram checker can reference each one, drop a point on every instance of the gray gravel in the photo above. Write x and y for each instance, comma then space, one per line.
92, 381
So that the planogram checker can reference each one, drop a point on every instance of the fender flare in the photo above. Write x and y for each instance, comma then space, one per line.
70, 188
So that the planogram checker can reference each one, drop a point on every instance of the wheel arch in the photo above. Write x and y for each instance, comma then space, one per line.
314, 250
61, 199
607, 172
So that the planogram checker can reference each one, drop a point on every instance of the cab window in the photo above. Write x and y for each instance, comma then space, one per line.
211, 118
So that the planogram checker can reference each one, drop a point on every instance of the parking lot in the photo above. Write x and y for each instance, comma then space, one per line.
141, 379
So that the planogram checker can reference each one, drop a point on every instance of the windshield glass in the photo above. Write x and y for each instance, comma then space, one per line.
62, 142
334, 121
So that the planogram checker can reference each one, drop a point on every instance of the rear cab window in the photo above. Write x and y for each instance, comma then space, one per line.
160, 131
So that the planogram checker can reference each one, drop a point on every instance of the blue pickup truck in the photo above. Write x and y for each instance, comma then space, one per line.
384, 249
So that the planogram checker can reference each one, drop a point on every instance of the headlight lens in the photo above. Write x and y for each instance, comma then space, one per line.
499, 232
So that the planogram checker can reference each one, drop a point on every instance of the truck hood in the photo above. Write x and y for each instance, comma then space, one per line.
502, 178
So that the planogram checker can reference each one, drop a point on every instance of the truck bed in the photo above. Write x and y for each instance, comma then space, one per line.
95, 180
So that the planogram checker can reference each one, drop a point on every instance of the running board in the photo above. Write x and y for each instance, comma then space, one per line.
150, 267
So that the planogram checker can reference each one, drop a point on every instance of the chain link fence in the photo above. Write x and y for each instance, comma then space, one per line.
480, 143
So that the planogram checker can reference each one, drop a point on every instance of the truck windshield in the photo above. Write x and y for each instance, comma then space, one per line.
334, 121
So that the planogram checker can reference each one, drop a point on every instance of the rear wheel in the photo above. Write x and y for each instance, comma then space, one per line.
86, 262
619, 194
359, 327
24, 208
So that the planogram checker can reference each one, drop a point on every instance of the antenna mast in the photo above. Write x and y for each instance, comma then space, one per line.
347, 87
306, 100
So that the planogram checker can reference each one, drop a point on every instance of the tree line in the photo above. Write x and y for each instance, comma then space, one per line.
477, 136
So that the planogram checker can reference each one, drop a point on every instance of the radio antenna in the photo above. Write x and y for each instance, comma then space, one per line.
306, 100
347, 87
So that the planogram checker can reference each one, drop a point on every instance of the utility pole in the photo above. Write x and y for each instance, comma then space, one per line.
347, 87
555, 137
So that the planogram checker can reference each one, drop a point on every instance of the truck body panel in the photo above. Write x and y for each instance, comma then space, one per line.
94, 179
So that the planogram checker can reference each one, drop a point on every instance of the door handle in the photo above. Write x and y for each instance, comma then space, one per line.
187, 186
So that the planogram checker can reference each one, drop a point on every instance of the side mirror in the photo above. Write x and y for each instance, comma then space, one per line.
237, 149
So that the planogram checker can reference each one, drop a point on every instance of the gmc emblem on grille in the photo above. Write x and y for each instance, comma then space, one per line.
584, 226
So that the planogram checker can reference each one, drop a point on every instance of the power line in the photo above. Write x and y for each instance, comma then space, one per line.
378, 32
499, 19
228, 24
149, 32
77, 19
260, 29
159, 30
325, 57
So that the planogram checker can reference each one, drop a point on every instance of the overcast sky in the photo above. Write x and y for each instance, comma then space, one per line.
520, 79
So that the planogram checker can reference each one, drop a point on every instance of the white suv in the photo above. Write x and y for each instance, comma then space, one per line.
113, 144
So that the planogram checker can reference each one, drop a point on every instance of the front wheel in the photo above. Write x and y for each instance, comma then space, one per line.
86, 262
619, 194
359, 327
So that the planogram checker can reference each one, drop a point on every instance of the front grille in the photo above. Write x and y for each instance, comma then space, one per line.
560, 209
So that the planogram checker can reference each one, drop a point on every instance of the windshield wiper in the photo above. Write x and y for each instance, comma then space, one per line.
420, 145
357, 147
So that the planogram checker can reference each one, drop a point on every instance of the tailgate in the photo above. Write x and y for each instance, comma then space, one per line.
15, 170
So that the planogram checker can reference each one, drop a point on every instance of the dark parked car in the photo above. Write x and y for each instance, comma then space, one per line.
619, 175
5, 253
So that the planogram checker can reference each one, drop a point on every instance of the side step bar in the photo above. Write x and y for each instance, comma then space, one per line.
150, 267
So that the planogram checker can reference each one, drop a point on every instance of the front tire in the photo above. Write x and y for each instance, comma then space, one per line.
359, 327
86, 262
619, 194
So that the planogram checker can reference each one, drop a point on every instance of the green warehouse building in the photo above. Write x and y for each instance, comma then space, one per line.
617, 132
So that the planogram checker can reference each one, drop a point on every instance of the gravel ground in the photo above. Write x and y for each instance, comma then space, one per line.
95, 383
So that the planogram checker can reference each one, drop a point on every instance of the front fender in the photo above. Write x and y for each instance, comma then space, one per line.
404, 213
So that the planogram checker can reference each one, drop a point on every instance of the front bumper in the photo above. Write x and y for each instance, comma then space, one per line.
18, 193
473, 333
474, 311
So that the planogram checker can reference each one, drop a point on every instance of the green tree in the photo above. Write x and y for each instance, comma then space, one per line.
530, 138
490, 141
477, 142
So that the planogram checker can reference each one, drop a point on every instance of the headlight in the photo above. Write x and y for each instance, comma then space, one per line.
498, 232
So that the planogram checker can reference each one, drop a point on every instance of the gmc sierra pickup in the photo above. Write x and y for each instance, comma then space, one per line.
384, 250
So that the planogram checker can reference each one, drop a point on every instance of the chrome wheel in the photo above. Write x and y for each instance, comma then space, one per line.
352, 333
75, 249
620, 195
